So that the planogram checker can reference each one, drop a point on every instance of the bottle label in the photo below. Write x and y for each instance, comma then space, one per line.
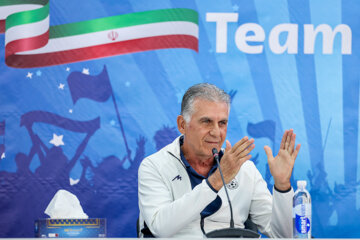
302, 218
302, 224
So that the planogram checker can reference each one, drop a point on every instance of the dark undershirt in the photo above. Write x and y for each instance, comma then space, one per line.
196, 179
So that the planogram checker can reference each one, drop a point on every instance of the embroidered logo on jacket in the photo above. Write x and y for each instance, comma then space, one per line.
178, 177
233, 184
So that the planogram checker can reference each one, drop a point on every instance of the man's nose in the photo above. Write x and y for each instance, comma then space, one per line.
215, 131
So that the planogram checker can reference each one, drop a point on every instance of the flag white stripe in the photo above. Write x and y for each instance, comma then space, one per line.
123, 34
27, 30
8, 10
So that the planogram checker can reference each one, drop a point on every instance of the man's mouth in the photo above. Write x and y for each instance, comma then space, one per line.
212, 143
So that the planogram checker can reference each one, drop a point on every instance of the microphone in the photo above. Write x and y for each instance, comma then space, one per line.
216, 156
230, 232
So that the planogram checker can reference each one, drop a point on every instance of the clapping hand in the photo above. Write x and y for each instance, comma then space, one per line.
234, 157
281, 166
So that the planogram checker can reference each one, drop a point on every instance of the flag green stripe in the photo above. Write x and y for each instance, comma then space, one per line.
127, 20
25, 17
18, 2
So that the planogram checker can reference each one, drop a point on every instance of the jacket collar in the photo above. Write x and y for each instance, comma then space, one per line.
174, 149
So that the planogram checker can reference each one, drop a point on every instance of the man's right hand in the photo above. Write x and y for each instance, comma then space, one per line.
232, 160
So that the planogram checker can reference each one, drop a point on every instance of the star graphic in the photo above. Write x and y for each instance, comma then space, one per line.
70, 111
68, 69
61, 86
38, 73
85, 71
29, 75
235, 8
3, 156
57, 140
127, 83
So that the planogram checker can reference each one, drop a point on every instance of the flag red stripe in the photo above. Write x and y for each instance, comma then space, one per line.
100, 51
26, 44
2, 26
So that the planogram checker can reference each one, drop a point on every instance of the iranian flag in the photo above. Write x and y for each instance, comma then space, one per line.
30, 41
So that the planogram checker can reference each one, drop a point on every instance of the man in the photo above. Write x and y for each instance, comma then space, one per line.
181, 193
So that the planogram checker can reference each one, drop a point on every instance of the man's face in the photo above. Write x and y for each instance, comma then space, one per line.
206, 129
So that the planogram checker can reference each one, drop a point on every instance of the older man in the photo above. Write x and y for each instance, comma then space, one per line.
181, 193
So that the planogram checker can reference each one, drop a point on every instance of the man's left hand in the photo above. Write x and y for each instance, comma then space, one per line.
282, 165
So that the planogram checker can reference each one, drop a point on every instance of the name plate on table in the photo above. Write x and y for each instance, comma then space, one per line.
70, 228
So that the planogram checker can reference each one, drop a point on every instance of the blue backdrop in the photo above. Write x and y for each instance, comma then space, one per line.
86, 126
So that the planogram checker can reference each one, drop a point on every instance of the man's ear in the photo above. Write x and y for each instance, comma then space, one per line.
181, 124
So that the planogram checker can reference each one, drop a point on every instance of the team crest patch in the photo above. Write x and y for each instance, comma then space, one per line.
233, 184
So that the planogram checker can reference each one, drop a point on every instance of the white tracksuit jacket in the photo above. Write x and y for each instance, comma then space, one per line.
171, 208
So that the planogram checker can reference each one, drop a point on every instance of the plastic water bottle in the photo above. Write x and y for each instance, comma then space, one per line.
301, 212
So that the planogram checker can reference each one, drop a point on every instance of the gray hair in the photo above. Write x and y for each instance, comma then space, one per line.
204, 91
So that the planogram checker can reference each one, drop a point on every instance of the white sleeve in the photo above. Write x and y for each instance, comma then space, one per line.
272, 214
163, 215
281, 218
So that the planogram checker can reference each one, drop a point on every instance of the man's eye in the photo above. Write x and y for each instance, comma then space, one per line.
223, 123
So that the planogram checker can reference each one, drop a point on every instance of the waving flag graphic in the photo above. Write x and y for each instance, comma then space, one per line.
30, 41
97, 88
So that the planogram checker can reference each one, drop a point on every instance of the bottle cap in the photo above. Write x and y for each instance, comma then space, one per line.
301, 184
